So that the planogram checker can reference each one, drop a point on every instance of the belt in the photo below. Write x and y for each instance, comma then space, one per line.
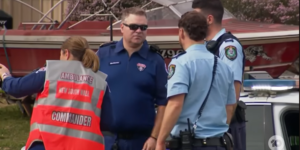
209, 142
125, 135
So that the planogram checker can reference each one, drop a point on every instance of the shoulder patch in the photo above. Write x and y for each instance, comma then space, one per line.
107, 44
230, 52
179, 54
171, 69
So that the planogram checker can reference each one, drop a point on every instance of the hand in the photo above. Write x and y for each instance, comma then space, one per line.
150, 144
160, 146
3, 70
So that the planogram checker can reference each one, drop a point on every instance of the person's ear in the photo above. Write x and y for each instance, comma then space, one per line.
210, 19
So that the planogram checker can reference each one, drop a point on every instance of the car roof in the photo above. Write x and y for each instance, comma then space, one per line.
287, 97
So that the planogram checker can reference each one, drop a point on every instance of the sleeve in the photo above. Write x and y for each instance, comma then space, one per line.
161, 82
178, 78
27, 85
106, 114
231, 90
231, 52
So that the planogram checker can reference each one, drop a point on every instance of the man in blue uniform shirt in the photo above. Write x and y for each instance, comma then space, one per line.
231, 52
137, 79
189, 80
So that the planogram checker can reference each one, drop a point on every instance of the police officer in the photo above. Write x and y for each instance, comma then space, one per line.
137, 79
230, 51
194, 79
64, 117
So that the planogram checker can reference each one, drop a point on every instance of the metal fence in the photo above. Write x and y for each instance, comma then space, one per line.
20, 12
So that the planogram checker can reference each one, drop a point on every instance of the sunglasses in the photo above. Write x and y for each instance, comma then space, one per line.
136, 26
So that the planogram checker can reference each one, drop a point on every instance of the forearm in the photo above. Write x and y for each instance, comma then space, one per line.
158, 121
230, 111
170, 118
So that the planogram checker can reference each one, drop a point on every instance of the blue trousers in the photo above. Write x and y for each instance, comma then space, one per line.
37, 146
238, 132
135, 143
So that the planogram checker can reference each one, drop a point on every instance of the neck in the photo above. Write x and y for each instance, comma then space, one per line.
190, 43
213, 31
131, 48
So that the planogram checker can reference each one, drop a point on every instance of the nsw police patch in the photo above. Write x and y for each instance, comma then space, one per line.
171, 71
230, 52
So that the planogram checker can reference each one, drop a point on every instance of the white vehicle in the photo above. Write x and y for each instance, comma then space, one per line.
272, 113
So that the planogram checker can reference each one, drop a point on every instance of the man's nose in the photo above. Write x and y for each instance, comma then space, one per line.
138, 30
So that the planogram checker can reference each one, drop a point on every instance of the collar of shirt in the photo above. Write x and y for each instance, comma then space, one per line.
221, 32
197, 47
142, 52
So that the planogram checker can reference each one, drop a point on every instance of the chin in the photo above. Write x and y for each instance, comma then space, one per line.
137, 42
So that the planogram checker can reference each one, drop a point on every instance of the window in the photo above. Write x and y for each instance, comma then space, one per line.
290, 121
259, 126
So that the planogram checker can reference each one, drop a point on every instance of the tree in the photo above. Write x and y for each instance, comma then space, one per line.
92, 6
273, 11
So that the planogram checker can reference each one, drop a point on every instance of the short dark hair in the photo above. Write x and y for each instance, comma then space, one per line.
133, 11
210, 7
194, 24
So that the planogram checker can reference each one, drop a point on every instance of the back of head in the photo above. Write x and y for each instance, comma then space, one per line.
210, 7
79, 48
194, 25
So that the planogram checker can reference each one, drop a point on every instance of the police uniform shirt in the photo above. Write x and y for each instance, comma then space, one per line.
34, 83
231, 52
136, 83
191, 74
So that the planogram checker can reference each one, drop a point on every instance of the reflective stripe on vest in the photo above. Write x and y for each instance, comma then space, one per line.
66, 114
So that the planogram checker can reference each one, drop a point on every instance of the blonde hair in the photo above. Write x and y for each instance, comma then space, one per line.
79, 48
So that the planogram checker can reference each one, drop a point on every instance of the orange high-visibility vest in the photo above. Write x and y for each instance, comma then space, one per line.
66, 115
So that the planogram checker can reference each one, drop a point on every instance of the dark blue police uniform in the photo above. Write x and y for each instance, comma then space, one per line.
136, 83
34, 83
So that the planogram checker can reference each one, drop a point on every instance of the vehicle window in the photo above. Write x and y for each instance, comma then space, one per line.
258, 127
290, 121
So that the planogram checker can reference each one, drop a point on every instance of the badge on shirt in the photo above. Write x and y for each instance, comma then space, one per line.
171, 71
114, 63
230, 52
141, 67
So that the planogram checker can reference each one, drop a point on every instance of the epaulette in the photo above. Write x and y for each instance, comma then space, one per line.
108, 44
229, 40
155, 49
179, 54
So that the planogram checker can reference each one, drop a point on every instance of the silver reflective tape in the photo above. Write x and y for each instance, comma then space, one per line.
68, 132
56, 67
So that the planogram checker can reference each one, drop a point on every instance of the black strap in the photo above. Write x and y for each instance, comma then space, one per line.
206, 97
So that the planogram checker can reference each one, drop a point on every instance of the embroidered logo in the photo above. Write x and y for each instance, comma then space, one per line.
141, 67
230, 52
171, 71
